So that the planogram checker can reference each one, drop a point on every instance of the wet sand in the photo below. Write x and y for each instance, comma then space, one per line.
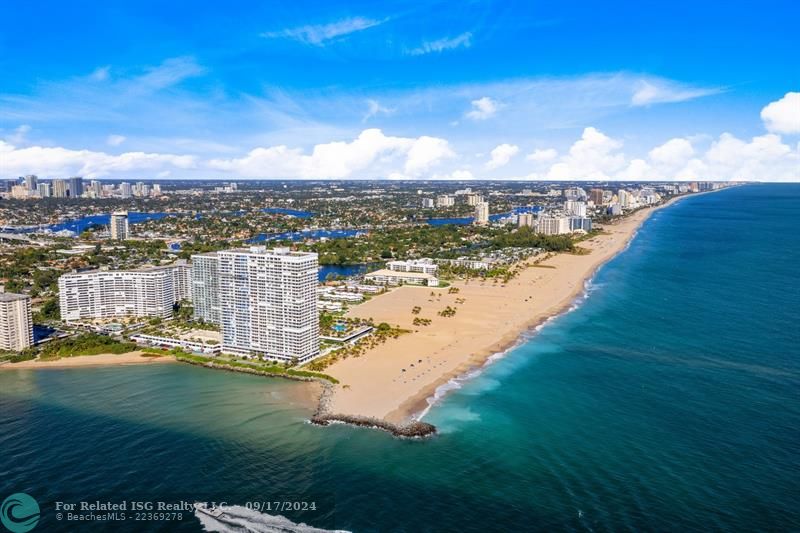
394, 380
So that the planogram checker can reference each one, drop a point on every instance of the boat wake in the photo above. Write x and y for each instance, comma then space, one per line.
239, 519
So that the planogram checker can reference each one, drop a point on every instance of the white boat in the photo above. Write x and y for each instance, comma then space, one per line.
209, 510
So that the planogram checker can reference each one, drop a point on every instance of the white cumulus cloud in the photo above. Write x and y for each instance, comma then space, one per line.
60, 161
461, 174
542, 155
783, 116
595, 156
483, 108
672, 153
501, 155
371, 154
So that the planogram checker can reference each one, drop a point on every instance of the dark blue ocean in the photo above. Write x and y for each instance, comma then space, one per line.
668, 400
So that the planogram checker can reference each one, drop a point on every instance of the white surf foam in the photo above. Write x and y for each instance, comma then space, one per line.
458, 381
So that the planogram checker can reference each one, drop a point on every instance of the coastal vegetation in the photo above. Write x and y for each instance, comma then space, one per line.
447, 312
526, 237
18, 357
251, 366
382, 333
84, 344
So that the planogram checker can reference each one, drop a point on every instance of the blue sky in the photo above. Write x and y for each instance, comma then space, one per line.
396, 89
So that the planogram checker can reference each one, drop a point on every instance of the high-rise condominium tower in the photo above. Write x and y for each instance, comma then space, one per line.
119, 225
16, 324
268, 303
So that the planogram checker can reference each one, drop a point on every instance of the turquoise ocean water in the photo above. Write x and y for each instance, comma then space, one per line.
668, 400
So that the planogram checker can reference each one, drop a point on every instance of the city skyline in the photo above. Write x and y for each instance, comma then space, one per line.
387, 91
476, 266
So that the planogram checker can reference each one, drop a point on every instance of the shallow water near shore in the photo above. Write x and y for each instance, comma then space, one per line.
666, 401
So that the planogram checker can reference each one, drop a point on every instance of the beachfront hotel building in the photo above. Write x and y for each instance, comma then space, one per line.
16, 324
104, 294
205, 287
394, 277
268, 303
549, 225
424, 266
119, 225
580, 224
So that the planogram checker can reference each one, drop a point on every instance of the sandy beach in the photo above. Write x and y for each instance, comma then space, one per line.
394, 380
82, 361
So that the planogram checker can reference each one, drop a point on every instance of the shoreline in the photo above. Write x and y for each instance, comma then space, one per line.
412, 407
137, 357
419, 405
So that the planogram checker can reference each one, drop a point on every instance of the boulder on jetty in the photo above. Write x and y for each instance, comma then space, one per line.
414, 429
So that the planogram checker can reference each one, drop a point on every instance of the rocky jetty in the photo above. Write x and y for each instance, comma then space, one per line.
322, 417
414, 429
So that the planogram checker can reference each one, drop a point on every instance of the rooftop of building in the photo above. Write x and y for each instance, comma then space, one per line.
420, 261
263, 250
12, 297
400, 274
141, 269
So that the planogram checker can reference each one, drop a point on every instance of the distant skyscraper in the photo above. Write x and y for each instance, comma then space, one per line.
445, 200
474, 199
43, 189
60, 188
624, 198
575, 208
156, 189
125, 189
596, 196
119, 225
482, 213
76, 187
268, 303
97, 189
16, 324
20, 192
31, 182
